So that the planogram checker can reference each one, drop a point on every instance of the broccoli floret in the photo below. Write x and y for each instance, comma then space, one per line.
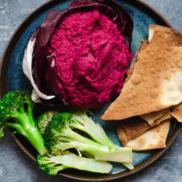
59, 136
52, 164
43, 120
48, 164
16, 111
81, 121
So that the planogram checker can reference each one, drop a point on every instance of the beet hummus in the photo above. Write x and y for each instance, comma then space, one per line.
90, 58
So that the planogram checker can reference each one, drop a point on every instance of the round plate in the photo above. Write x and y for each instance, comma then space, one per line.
12, 78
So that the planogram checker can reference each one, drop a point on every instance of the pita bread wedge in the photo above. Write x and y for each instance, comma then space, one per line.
177, 112
153, 138
167, 115
143, 45
134, 127
135, 59
151, 117
172, 36
155, 83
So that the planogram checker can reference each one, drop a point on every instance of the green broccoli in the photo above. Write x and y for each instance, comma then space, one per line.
81, 121
43, 120
59, 136
16, 111
52, 164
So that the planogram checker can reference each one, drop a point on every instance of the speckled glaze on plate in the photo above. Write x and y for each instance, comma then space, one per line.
12, 78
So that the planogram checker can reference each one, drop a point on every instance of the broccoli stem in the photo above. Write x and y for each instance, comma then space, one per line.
25, 126
35, 138
128, 165
101, 153
98, 151
84, 123
53, 164
94, 130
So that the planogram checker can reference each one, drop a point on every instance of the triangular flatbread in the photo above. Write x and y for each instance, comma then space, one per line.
155, 83
153, 138
177, 112
151, 117
172, 36
135, 126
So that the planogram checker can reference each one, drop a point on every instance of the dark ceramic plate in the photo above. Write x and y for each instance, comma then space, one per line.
12, 78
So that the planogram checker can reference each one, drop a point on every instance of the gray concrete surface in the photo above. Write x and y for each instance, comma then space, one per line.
15, 166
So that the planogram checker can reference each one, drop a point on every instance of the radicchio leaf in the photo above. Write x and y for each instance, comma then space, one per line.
27, 69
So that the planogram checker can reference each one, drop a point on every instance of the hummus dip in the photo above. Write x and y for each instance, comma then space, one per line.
90, 59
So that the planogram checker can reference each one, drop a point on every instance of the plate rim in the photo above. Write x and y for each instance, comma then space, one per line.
3, 69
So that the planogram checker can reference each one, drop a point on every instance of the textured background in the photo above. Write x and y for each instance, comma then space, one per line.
15, 166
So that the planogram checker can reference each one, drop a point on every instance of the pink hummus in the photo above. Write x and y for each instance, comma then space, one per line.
90, 57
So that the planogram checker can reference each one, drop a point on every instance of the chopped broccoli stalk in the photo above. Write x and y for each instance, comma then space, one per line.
59, 136
52, 164
81, 121
99, 152
16, 111
128, 165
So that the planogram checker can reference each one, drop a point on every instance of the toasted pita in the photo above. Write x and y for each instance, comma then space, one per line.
177, 112
155, 83
172, 36
135, 59
167, 115
130, 128
143, 45
151, 117
153, 138
122, 134
133, 127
